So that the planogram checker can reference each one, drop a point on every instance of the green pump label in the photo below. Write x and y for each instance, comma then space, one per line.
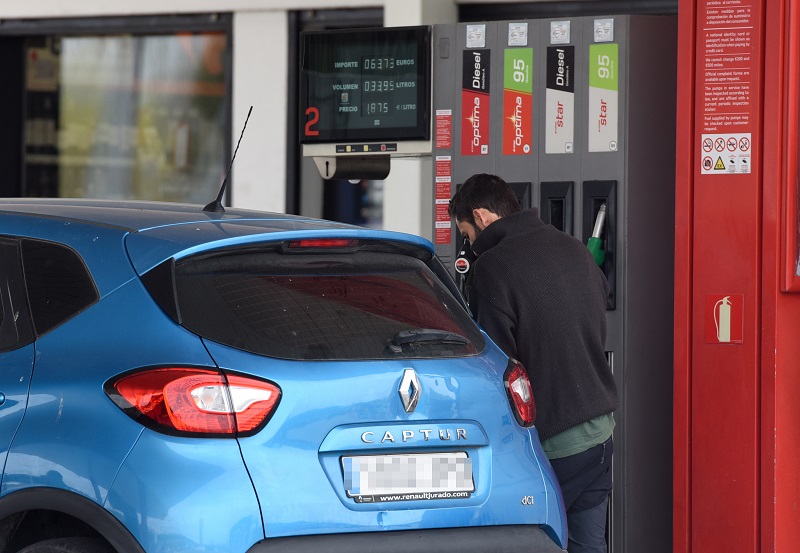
603, 117
517, 68
603, 64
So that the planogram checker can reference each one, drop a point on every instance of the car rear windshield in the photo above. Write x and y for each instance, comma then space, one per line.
359, 305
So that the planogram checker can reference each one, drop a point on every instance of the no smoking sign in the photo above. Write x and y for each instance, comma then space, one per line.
724, 154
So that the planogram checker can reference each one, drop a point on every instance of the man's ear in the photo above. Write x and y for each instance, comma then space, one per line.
483, 217
478, 216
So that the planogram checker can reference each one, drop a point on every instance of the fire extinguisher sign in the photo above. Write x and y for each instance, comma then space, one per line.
724, 318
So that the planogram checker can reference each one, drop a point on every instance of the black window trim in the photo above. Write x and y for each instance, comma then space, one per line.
24, 324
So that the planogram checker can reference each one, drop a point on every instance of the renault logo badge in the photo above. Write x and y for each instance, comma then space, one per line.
410, 390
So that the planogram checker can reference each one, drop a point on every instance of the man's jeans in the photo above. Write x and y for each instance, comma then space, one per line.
585, 481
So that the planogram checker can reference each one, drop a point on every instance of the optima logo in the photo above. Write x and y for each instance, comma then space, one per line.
518, 122
475, 119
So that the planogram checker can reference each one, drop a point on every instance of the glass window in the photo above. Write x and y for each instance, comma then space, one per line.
362, 305
59, 285
126, 116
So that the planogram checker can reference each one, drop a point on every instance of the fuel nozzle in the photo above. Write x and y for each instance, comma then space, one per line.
595, 244
465, 258
463, 264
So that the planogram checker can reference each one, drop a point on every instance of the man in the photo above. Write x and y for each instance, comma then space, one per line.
540, 296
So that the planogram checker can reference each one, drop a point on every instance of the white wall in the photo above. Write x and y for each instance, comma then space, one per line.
260, 47
408, 190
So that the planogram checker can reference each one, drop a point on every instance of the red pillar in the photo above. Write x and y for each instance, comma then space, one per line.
780, 355
737, 366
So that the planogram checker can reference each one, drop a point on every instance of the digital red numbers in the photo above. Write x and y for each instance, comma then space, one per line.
313, 120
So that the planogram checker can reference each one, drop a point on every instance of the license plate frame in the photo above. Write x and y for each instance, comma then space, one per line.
408, 476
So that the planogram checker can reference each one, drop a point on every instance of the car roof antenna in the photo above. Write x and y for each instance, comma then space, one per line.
216, 205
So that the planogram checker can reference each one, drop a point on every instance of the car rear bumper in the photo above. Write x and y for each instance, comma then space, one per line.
497, 539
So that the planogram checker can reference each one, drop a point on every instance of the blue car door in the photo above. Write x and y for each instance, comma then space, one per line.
16, 345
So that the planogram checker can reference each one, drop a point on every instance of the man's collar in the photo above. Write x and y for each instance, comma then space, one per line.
504, 226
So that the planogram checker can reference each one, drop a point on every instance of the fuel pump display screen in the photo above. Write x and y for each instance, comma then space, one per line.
365, 85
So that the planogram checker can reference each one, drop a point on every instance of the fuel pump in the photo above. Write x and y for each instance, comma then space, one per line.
564, 110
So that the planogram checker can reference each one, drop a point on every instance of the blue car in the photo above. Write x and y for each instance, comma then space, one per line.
179, 380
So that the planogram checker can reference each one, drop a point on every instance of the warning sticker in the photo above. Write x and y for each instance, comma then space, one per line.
725, 154
444, 129
442, 199
726, 91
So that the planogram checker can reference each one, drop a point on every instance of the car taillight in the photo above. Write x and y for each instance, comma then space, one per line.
520, 393
193, 401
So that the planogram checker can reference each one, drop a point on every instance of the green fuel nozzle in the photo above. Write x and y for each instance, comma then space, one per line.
595, 244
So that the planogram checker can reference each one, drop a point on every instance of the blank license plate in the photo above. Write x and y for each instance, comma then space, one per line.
413, 477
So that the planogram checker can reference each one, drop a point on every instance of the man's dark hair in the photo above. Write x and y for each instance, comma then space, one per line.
483, 191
